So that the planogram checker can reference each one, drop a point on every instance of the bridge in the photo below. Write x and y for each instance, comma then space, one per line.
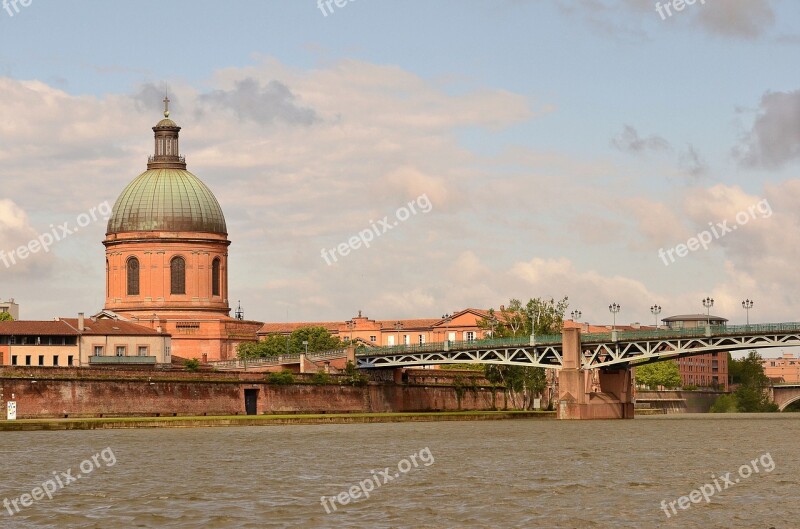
599, 350
574, 355
785, 395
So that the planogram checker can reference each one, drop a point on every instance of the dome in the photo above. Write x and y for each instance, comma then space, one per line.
167, 199
166, 122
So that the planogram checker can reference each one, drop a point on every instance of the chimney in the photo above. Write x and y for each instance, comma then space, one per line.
80, 322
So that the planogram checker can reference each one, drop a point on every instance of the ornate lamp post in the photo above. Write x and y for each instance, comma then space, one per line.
708, 303
447, 319
614, 308
534, 322
398, 327
747, 305
656, 310
576, 315
492, 323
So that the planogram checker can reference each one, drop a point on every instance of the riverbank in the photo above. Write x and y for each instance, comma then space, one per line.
27, 425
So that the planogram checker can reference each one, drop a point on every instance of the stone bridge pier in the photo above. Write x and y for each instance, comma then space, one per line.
577, 398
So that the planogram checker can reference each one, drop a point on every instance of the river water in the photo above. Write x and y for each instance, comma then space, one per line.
499, 474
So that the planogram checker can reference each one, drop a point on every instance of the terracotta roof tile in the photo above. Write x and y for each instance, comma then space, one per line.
38, 328
103, 327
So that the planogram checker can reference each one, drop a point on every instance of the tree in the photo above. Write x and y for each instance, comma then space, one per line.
752, 395
5, 316
545, 316
319, 339
659, 374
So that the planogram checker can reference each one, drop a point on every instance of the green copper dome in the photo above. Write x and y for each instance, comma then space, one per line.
167, 199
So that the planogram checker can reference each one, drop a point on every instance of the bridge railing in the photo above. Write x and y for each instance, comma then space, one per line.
604, 337
716, 330
461, 345
335, 353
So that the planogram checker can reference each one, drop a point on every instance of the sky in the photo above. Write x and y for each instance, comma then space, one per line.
611, 151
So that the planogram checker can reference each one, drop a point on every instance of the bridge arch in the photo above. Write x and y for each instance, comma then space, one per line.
784, 396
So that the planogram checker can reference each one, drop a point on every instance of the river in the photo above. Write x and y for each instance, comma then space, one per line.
499, 474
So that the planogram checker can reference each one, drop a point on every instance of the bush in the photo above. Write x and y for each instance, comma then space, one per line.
690, 387
321, 378
354, 377
192, 364
725, 404
282, 378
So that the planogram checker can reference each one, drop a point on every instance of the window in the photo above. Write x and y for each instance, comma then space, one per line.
177, 269
133, 276
421, 339
27, 360
41, 360
98, 350
215, 277
391, 340
373, 338
70, 360
469, 336
406, 339
55, 360
144, 350
13, 360
121, 350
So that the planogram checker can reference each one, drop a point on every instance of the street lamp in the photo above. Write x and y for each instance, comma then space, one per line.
614, 308
708, 303
534, 322
305, 342
747, 305
576, 315
447, 319
656, 310
398, 326
492, 323
350, 325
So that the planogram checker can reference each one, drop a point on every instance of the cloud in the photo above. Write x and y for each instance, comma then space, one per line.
747, 19
625, 19
774, 139
16, 232
249, 100
691, 162
629, 141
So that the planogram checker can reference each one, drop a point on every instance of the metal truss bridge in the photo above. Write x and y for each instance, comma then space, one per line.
599, 350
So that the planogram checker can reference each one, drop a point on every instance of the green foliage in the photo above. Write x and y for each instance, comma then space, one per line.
752, 395
725, 404
689, 387
321, 378
281, 378
515, 319
319, 339
659, 374
353, 376
5, 316
192, 364
544, 316
462, 367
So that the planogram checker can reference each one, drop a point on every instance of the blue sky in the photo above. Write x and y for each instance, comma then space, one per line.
562, 143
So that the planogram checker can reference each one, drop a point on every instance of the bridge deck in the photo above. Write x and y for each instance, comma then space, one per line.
600, 349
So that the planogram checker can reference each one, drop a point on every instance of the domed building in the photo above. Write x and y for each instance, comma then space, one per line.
167, 256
